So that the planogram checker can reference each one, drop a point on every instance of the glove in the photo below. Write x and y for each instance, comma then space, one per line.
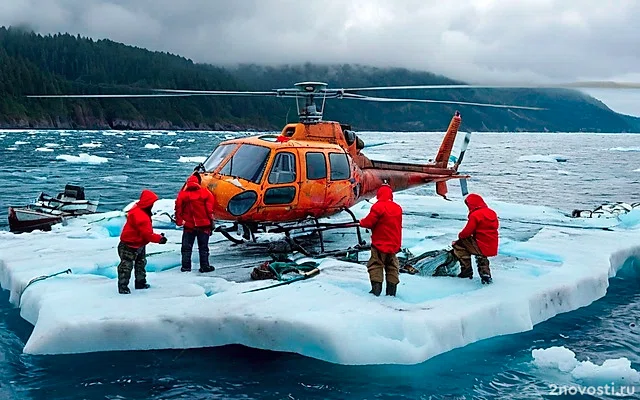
163, 239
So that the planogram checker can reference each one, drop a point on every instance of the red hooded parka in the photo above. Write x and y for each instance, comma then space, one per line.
194, 205
385, 221
138, 231
482, 225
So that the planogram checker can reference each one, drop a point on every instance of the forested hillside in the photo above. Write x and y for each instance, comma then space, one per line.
62, 64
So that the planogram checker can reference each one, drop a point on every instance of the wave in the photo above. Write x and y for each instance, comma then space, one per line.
625, 149
551, 158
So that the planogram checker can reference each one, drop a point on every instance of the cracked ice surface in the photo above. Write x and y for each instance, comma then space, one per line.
548, 264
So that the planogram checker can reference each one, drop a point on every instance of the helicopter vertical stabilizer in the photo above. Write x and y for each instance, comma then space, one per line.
442, 158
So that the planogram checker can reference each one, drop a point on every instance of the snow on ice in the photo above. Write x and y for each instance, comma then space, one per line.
548, 263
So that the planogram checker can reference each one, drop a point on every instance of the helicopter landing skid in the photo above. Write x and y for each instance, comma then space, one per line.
245, 233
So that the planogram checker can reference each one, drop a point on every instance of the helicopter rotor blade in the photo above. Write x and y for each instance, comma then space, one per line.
463, 103
97, 96
217, 92
566, 85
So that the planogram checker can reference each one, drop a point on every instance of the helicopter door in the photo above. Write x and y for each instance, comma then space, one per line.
282, 188
313, 189
340, 186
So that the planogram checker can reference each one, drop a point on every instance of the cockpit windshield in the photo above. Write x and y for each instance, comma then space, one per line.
218, 155
247, 163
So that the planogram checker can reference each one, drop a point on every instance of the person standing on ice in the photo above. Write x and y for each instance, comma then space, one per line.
194, 211
385, 222
136, 234
479, 237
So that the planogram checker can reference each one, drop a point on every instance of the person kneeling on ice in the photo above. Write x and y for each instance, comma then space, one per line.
136, 234
479, 237
194, 211
385, 222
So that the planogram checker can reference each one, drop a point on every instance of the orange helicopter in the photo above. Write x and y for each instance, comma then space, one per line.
314, 169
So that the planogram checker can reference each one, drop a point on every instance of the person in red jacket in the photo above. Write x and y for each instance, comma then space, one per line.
194, 211
136, 234
479, 237
385, 222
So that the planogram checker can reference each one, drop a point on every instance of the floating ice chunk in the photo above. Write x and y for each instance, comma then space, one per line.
12, 148
557, 357
115, 178
83, 158
90, 145
153, 160
616, 371
51, 145
151, 146
19, 142
44, 149
171, 147
196, 159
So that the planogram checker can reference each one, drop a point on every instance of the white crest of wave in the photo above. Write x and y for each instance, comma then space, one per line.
625, 149
550, 158
151, 146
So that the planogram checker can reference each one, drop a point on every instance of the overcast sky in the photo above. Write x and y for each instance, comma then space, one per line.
474, 40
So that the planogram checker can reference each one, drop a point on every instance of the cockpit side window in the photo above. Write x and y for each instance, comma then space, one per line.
247, 163
283, 169
339, 166
316, 166
219, 154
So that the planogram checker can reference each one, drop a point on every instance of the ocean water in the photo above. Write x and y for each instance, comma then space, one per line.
566, 171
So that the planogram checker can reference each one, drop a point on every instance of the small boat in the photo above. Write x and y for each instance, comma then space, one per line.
47, 210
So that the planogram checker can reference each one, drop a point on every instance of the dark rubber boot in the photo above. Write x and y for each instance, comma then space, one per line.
391, 289
376, 288
184, 269
207, 269
486, 279
124, 290
142, 285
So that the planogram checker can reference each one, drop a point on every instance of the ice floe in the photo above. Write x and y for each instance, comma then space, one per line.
83, 158
549, 263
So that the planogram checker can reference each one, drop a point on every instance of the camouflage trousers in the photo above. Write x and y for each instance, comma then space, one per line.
131, 258
381, 264
463, 250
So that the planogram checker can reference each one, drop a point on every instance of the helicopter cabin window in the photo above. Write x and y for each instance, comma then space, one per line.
218, 155
316, 166
247, 163
280, 195
283, 169
339, 166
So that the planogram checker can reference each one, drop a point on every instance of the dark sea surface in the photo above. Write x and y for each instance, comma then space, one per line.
565, 171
